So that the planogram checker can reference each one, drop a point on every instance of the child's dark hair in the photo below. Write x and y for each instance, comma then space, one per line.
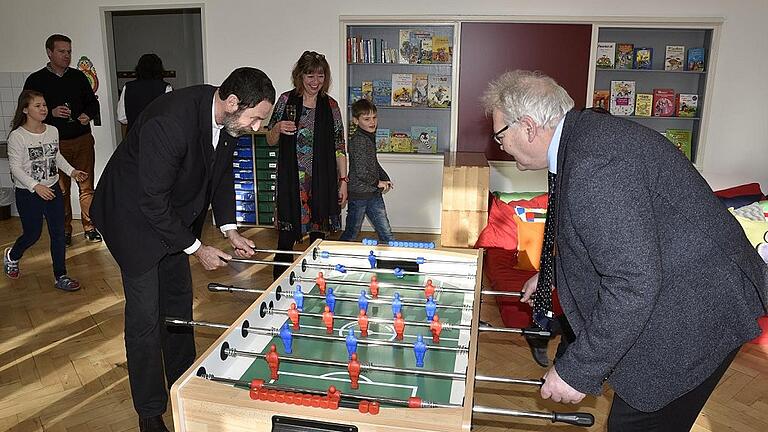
25, 98
363, 106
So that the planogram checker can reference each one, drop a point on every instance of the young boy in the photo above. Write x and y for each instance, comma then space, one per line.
367, 179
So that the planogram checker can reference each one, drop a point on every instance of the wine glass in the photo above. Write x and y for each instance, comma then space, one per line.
290, 112
69, 119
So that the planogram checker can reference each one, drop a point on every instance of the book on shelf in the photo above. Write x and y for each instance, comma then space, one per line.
367, 90
424, 139
673, 57
624, 52
602, 99
687, 105
606, 54
441, 52
401, 142
355, 94
643, 58
663, 102
424, 43
644, 105
382, 141
681, 138
408, 47
382, 92
420, 86
402, 89
439, 91
622, 98
695, 59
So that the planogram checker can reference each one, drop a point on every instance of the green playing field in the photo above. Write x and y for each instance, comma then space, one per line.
372, 383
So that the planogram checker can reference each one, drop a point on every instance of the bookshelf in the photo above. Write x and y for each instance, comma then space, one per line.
681, 81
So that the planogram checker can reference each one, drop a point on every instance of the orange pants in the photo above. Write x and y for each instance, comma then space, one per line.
80, 153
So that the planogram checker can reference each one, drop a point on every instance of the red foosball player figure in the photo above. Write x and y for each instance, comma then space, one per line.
399, 326
328, 320
374, 286
435, 327
354, 371
293, 314
320, 281
362, 321
429, 289
273, 361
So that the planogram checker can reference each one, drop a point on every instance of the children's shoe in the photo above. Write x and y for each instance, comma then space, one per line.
93, 236
10, 266
68, 239
65, 283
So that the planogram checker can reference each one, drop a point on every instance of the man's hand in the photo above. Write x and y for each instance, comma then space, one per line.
61, 111
210, 257
243, 247
385, 186
529, 287
44, 192
342, 193
83, 119
558, 390
79, 175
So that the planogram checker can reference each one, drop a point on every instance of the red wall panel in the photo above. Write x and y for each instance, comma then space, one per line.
490, 49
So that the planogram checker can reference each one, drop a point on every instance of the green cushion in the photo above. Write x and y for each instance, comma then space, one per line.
516, 196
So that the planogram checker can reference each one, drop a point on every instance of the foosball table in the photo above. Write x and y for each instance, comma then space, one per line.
352, 337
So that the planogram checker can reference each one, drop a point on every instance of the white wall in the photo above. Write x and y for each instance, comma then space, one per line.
271, 35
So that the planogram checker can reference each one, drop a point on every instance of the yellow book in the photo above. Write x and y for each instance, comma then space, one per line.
644, 104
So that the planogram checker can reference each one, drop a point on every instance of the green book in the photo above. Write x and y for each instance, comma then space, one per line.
681, 138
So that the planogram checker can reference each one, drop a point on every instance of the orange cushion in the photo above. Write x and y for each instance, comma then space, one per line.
530, 237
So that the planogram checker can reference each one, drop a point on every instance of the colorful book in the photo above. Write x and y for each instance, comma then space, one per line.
624, 56
687, 105
663, 102
622, 98
681, 138
355, 94
644, 105
382, 92
602, 99
424, 139
606, 54
404, 48
439, 91
402, 89
382, 141
401, 142
643, 58
441, 52
367, 89
420, 86
673, 57
695, 59
424, 44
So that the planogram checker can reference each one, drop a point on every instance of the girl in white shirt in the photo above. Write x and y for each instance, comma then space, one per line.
35, 161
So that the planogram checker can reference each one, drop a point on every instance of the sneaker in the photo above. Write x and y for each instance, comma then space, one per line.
93, 236
68, 239
65, 283
10, 266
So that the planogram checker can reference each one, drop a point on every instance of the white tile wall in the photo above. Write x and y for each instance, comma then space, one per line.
11, 84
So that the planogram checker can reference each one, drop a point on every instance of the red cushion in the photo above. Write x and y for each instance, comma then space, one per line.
501, 231
502, 276
745, 189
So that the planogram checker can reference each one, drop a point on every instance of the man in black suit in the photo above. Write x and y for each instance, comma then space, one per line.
151, 204
656, 278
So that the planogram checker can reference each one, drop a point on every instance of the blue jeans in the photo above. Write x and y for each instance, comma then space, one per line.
377, 214
32, 208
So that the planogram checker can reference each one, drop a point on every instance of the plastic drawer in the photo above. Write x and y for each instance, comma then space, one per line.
266, 196
266, 207
245, 206
243, 195
265, 186
243, 152
239, 174
242, 164
266, 218
266, 164
266, 175
244, 185
266, 153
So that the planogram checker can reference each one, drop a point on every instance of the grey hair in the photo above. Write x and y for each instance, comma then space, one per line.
519, 93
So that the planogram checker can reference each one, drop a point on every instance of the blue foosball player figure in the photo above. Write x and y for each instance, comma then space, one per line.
351, 342
431, 307
298, 298
287, 336
372, 259
397, 304
330, 299
362, 301
419, 349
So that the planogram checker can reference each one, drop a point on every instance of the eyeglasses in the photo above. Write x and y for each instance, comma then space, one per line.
496, 136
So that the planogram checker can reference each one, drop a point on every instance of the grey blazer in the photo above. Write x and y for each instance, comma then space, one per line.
655, 276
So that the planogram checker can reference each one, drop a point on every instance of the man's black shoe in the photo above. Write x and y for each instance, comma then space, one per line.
93, 236
540, 356
68, 239
152, 424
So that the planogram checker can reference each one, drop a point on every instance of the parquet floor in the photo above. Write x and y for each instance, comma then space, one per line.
62, 358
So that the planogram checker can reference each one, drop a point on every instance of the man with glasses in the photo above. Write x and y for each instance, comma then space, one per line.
656, 277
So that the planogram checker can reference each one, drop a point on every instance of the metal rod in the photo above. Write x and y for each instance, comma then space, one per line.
363, 366
391, 258
524, 331
576, 419
254, 261
388, 271
505, 380
446, 326
176, 321
406, 287
230, 288
502, 293
276, 251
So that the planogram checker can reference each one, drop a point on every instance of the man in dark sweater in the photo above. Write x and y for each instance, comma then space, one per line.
71, 106
367, 179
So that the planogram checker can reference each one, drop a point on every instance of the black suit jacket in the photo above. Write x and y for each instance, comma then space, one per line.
655, 276
153, 195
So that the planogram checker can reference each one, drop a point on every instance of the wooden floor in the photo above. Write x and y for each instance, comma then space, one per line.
62, 358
